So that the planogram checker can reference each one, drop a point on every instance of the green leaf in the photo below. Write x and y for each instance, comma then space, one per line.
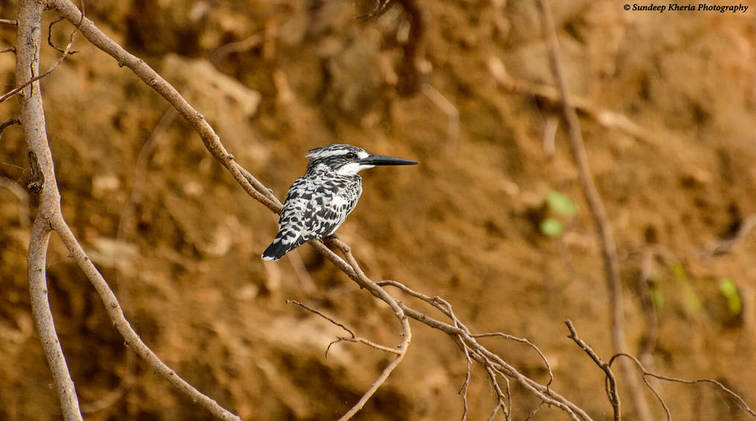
561, 204
729, 290
551, 227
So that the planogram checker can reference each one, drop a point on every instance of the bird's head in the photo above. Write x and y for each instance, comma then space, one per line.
348, 159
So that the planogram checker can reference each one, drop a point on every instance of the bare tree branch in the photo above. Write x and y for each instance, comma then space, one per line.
50, 217
123, 326
597, 209
33, 122
348, 264
67, 52
8, 123
166, 90
611, 381
352, 336
645, 373
49, 37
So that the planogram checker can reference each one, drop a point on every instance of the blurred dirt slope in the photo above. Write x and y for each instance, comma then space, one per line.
278, 78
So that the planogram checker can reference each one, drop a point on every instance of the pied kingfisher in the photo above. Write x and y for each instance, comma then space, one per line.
319, 201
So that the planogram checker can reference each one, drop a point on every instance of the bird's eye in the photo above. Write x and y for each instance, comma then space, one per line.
351, 155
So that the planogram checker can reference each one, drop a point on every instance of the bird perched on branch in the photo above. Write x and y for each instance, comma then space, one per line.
319, 201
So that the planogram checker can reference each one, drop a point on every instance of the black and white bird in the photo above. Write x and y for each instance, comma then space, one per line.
319, 201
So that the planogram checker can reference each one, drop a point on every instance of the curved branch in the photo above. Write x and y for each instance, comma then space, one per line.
348, 264
33, 122
123, 326
211, 140
645, 373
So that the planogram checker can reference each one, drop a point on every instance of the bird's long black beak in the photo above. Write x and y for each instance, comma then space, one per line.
386, 160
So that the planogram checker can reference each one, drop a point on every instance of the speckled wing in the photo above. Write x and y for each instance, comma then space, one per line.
312, 210
331, 203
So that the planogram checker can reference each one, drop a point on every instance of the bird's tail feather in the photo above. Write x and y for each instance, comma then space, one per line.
275, 250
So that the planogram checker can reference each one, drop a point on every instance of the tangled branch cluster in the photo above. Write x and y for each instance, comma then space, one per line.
49, 219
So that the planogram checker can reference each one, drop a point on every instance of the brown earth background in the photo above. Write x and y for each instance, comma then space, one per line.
463, 225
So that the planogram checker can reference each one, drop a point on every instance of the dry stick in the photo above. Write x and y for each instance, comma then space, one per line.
611, 381
123, 326
49, 37
261, 193
50, 216
603, 225
33, 122
482, 355
67, 52
253, 187
468, 375
353, 337
8, 123
644, 372
156, 82
500, 397
380, 293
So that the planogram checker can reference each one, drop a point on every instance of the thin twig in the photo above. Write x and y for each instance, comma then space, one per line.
123, 326
465, 385
8, 50
9, 22
501, 398
645, 373
67, 52
196, 120
611, 381
524, 341
50, 216
49, 37
348, 264
352, 336
597, 210
8, 123
481, 354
